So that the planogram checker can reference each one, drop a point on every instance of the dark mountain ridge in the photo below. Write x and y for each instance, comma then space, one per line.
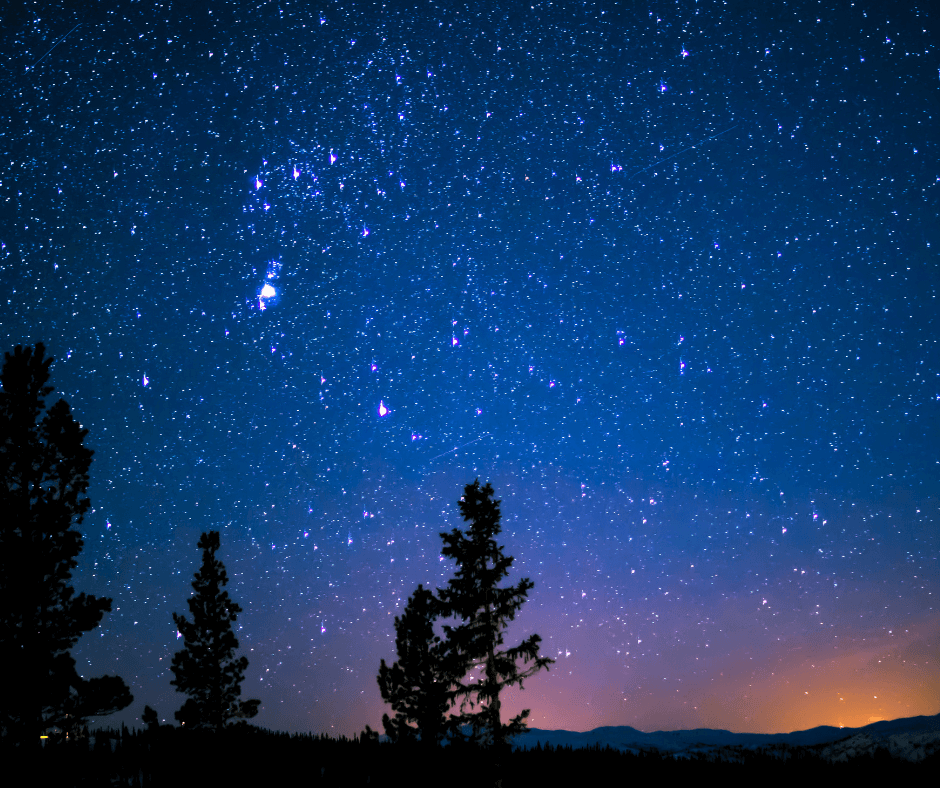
625, 738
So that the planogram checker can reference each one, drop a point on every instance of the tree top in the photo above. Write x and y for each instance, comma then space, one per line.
209, 541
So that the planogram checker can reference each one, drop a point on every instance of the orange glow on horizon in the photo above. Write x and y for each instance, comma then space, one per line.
801, 689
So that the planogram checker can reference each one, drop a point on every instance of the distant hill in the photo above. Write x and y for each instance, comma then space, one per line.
911, 738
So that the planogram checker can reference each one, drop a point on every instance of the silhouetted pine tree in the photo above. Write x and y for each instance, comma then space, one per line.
420, 684
206, 668
485, 609
43, 479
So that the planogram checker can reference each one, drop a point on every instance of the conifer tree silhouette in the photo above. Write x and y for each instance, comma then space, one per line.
43, 480
419, 685
206, 668
485, 609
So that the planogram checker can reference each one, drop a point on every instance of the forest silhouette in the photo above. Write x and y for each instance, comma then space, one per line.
443, 688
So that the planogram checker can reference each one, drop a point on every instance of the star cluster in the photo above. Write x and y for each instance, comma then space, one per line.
664, 274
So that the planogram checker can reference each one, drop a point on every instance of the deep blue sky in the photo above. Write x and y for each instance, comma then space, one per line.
665, 274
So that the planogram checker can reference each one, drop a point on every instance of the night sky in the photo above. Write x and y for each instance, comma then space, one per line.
665, 274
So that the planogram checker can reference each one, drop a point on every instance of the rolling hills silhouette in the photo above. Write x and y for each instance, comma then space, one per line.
911, 738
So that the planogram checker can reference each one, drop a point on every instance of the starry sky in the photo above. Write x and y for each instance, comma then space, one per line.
665, 274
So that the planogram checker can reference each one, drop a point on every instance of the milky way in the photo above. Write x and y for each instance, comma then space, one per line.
665, 275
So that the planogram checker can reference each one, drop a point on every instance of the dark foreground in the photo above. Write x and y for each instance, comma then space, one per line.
251, 757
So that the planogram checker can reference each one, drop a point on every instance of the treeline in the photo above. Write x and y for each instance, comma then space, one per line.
453, 662
248, 756
443, 689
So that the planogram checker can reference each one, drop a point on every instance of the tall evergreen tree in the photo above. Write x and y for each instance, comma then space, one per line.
484, 610
43, 480
206, 668
420, 684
